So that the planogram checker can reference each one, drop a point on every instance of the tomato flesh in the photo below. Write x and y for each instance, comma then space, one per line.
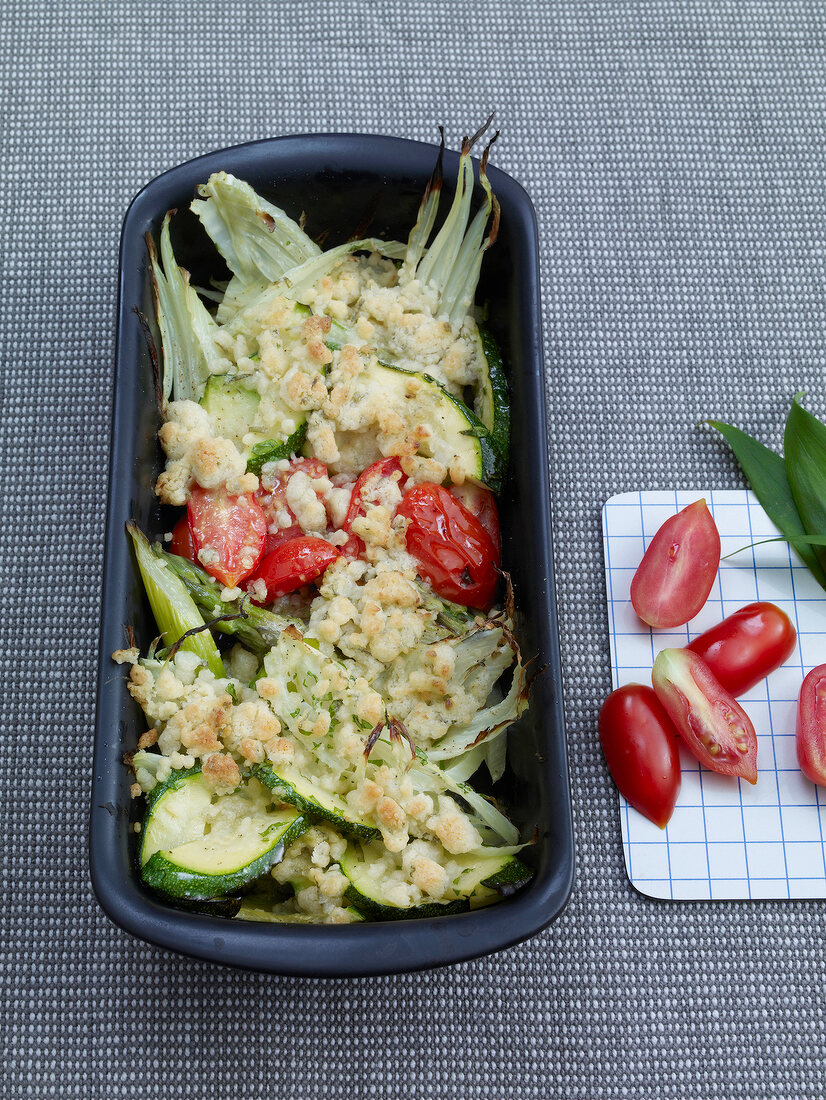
181, 542
453, 550
746, 646
811, 726
712, 724
294, 564
272, 497
365, 491
676, 574
640, 747
482, 504
228, 533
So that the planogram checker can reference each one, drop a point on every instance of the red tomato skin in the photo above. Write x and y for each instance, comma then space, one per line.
181, 542
811, 726
234, 527
677, 572
640, 747
384, 469
710, 721
482, 504
454, 551
294, 564
746, 646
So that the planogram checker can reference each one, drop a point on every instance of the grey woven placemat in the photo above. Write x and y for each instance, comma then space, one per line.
676, 157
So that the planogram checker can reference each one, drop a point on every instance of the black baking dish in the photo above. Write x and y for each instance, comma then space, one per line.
336, 180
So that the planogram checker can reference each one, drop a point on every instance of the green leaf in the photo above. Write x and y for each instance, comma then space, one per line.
805, 446
271, 450
766, 473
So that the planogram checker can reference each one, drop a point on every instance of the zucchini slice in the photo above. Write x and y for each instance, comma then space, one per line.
479, 881
493, 401
185, 855
232, 404
457, 433
369, 888
289, 785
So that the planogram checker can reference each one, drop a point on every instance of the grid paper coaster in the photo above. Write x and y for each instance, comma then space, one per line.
726, 839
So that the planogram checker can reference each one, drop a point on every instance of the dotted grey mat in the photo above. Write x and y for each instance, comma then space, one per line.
676, 157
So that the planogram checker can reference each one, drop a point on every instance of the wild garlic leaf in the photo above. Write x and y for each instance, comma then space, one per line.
766, 473
805, 447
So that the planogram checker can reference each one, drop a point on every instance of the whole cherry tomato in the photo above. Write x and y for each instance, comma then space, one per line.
294, 564
811, 726
746, 646
228, 533
181, 543
454, 551
675, 576
640, 746
366, 490
272, 496
712, 724
482, 503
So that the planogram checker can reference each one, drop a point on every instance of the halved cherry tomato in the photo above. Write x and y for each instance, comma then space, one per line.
272, 496
294, 564
454, 551
746, 646
640, 746
482, 504
181, 542
811, 726
366, 490
228, 533
712, 724
676, 574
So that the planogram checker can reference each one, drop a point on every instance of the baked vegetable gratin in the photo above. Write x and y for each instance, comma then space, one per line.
336, 426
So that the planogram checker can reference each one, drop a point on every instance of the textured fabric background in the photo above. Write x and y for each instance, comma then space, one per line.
675, 154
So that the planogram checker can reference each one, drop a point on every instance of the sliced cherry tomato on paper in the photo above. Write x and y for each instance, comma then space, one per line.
228, 533
676, 574
811, 726
294, 564
454, 551
640, 746
746, 646
181, 542
482, 504
272, 496
367, 490
712, 724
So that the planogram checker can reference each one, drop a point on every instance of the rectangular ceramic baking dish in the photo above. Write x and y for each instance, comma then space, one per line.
339, 181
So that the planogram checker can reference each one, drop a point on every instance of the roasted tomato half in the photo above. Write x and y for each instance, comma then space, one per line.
454, 551
228, 533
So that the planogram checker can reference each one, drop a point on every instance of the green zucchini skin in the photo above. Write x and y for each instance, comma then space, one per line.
496, 412
309, 805
376, 911
163, 873
206, 907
